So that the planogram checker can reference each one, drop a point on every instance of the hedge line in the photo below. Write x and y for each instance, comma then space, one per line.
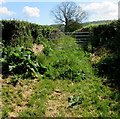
107, 37
15, 32
105, 34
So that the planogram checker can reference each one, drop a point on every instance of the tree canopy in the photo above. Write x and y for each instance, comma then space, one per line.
68, 13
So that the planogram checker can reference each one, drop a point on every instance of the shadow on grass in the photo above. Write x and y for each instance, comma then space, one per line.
110, 68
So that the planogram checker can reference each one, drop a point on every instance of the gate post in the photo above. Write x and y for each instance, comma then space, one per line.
119, 10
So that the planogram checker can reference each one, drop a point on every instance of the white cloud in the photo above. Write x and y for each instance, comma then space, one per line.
102, 10
60, 0
5, 12
31, 11
2, 1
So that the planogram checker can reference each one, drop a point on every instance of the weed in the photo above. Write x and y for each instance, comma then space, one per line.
74, 101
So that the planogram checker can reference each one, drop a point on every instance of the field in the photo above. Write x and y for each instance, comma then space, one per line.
70, 82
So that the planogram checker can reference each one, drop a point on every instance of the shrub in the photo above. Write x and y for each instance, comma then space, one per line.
21, 61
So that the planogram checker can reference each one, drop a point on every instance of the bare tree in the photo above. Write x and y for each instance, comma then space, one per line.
67, 11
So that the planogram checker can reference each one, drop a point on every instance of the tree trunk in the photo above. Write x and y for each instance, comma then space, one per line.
66, 25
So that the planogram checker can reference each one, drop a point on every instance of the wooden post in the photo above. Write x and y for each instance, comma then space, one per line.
119, 10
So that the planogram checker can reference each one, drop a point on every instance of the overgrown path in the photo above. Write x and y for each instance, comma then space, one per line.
43, 98
65, 83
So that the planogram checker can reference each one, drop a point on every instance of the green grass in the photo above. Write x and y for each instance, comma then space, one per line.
98, 100
47, 96
73, 64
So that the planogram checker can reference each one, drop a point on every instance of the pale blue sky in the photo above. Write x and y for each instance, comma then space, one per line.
45, 17
39, 12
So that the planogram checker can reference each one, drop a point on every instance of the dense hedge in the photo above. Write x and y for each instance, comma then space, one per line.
107, 37
24, 33
105, 34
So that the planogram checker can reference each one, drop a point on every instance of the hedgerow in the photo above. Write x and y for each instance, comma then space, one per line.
106, 36
23, 33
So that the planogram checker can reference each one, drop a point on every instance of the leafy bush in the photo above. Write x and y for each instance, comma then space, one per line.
21, 61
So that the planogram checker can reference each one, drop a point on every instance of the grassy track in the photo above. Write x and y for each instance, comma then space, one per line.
43, 98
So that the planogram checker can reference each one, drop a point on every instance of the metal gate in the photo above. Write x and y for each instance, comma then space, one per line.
72, 39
